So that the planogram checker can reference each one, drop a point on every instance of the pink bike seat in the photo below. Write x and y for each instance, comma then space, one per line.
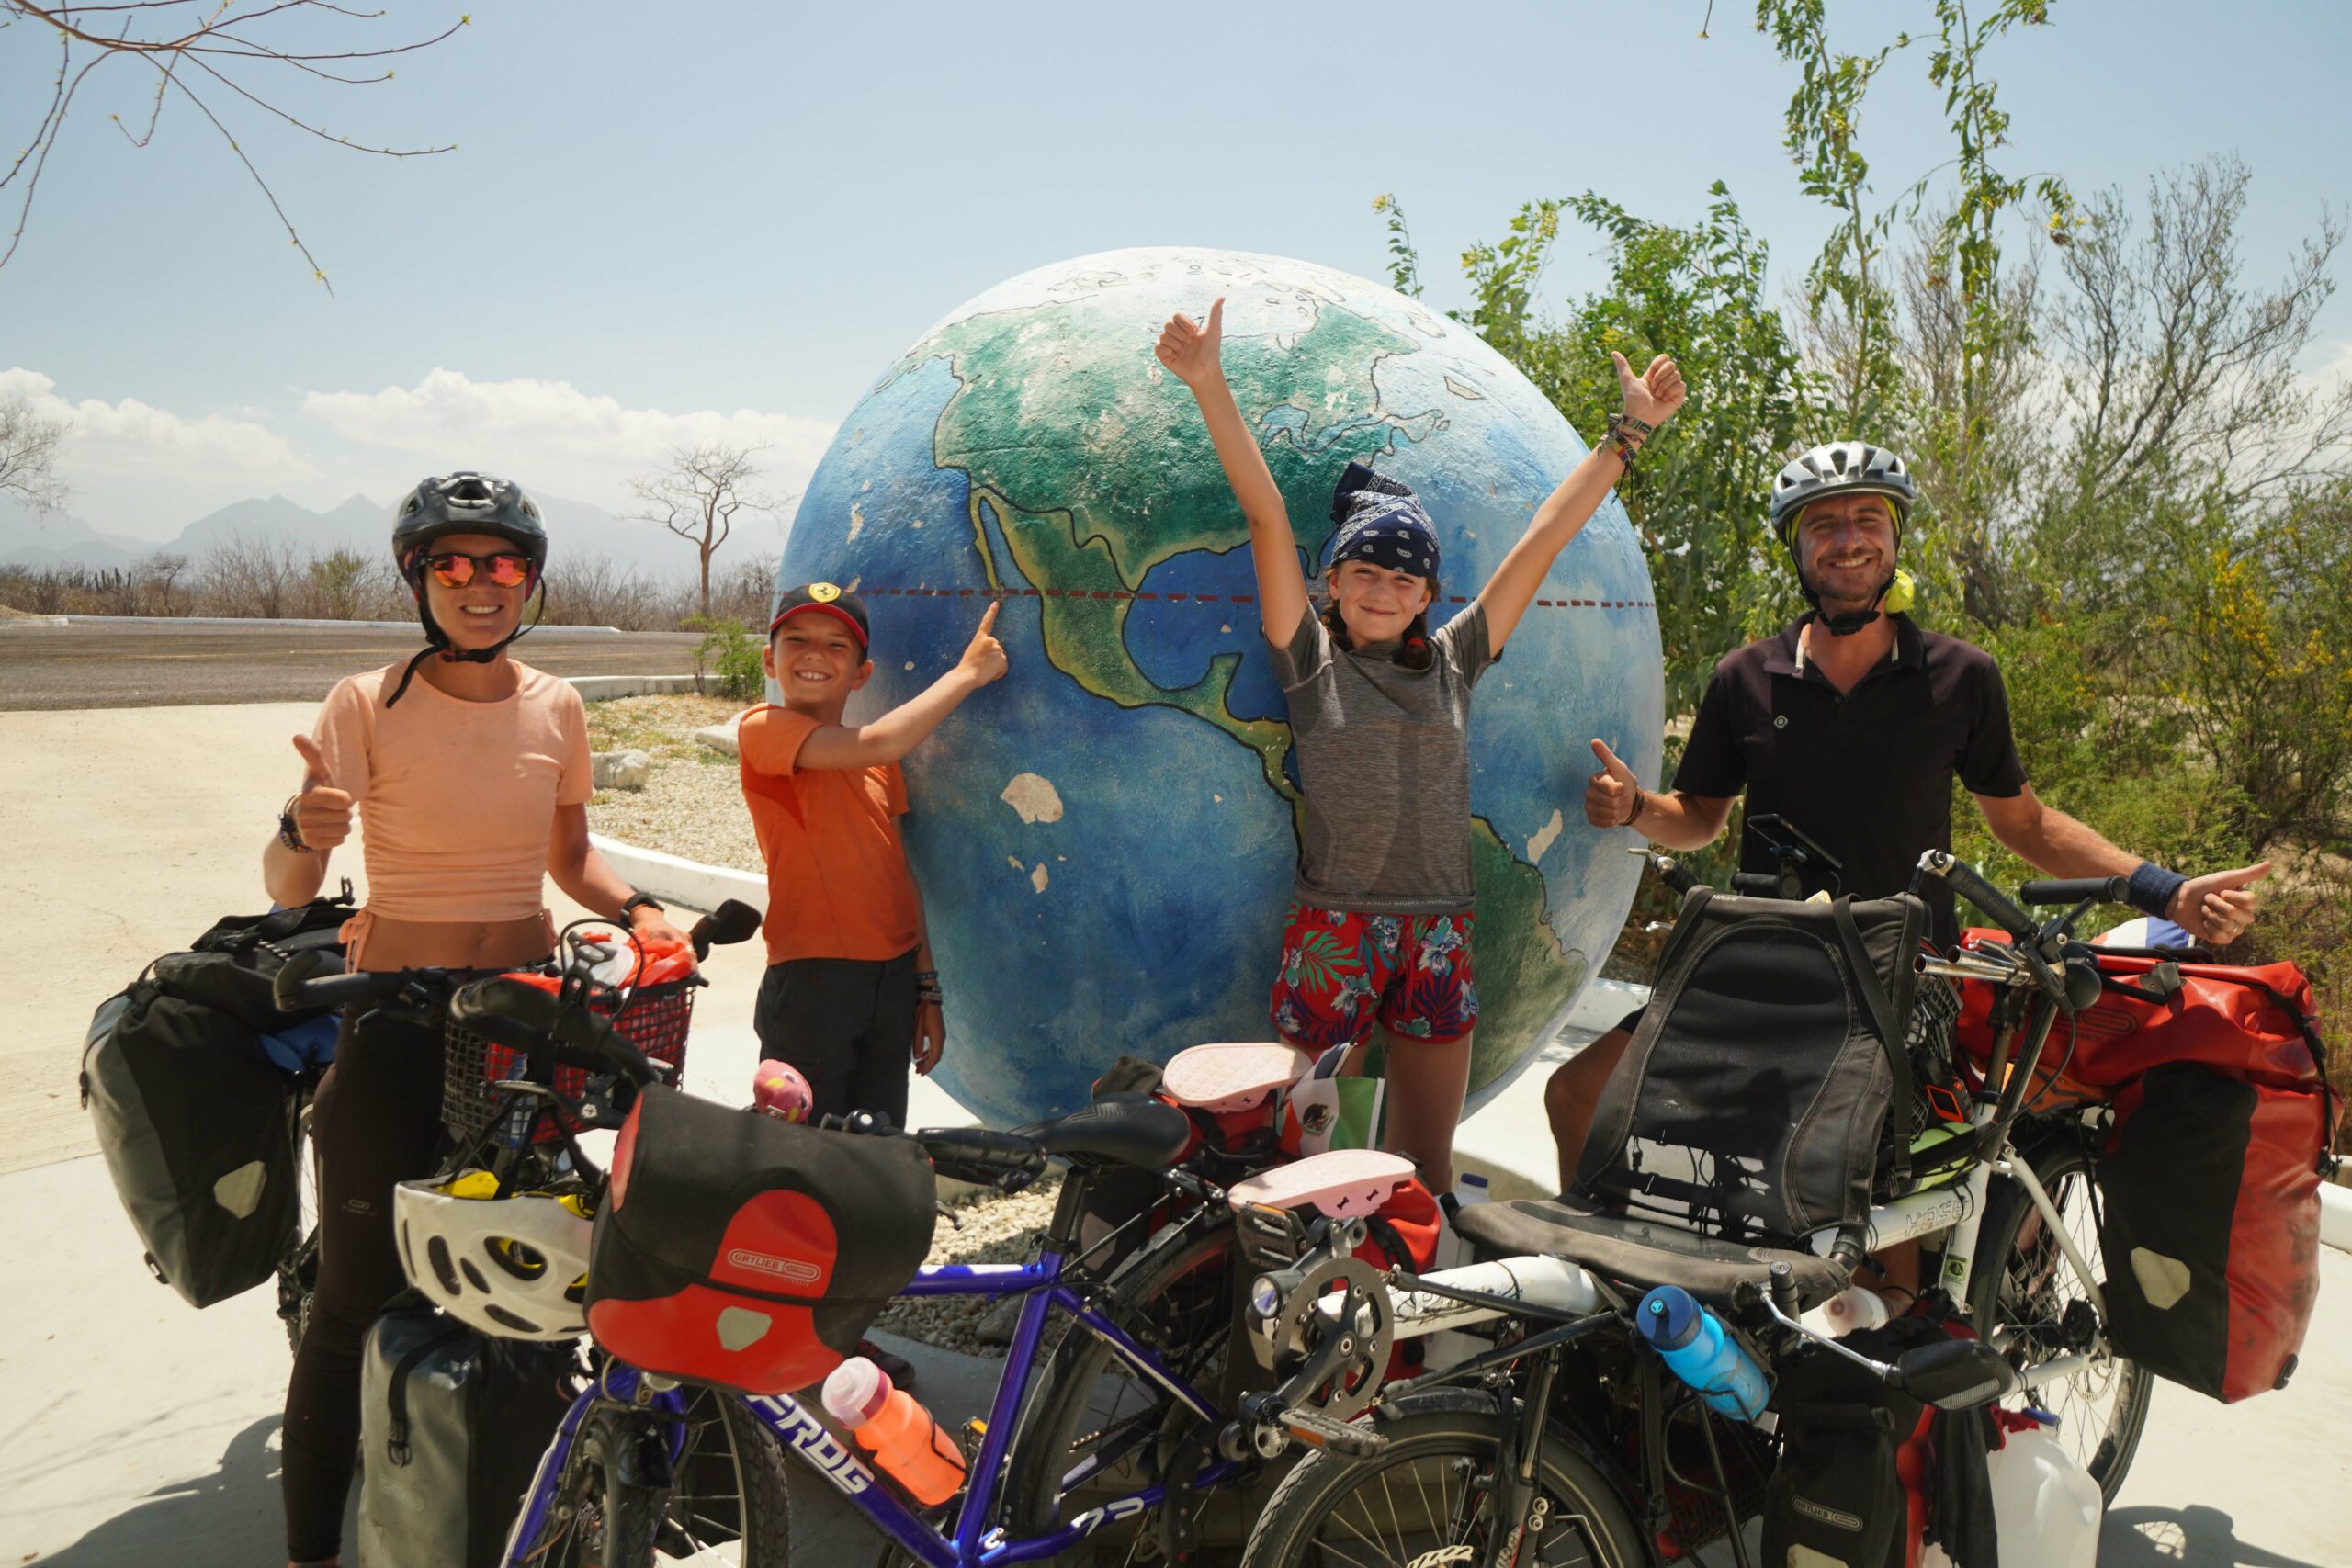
1231, 1076
1342, 1183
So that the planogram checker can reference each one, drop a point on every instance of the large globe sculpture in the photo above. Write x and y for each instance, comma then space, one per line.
1106, 838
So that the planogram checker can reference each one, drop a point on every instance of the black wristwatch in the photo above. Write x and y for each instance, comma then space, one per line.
642, 901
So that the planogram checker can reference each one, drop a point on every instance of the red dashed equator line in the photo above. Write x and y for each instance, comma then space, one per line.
1199, 598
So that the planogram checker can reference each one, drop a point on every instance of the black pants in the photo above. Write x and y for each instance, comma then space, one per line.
848, 1024
376, 1122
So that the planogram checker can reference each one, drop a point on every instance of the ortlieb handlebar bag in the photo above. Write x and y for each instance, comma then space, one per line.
749, 1253
2209, 1225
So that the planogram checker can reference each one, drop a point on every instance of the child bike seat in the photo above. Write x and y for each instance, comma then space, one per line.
1229, 1076
1341, 1183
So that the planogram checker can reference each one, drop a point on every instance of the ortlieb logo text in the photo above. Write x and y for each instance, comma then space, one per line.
791, 1270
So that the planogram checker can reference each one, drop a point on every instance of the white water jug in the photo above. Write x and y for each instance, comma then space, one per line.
2046, 1508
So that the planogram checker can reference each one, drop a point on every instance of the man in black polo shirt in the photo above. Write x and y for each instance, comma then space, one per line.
1852, 725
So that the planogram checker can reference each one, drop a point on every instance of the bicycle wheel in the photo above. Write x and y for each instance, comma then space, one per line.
1428, 1498
2021, 1295
729, 1504
297, 1271
1178, 1297
600, 1519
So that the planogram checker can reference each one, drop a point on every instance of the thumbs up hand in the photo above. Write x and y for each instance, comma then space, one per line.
1609, 798
322, 812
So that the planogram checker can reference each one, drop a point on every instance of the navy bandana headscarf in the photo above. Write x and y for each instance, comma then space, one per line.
1381, 521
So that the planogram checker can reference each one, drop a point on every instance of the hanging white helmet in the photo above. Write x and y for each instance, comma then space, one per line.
515, 1267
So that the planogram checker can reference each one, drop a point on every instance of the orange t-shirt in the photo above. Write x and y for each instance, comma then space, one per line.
838, 883
456, 800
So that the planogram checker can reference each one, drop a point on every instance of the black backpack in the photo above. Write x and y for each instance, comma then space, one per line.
196, 1125
452, 1424
1774, 1041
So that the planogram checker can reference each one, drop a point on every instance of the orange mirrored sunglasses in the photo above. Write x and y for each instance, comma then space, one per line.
455, 569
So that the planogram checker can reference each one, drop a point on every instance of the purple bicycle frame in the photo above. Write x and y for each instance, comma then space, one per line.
800, 1432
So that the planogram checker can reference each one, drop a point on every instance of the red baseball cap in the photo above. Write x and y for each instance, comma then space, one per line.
823, 599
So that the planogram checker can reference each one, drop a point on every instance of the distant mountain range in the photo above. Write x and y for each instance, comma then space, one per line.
578, 530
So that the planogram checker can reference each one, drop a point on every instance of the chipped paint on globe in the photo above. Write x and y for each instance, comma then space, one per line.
1106, 838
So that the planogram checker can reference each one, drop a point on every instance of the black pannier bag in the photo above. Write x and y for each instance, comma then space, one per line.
2208, 1222
1774, 1039
1867, 1474
197, 1126
751, 1254
452, 1425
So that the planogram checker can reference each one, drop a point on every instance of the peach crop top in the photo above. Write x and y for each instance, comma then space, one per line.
456, 800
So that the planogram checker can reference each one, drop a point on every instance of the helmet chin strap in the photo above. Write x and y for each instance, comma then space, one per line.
438, 641
1851, 620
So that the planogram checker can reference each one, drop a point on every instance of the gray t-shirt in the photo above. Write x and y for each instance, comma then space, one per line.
1384, 753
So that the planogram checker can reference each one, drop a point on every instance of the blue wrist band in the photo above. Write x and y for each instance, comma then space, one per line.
2151, 889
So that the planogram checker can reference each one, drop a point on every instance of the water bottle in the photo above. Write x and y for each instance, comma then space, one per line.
1696, 1347
1850, 1310
887, 1423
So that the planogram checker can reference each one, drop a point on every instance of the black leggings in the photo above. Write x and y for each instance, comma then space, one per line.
376, 1122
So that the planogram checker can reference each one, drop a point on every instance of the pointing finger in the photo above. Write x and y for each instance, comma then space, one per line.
988, 616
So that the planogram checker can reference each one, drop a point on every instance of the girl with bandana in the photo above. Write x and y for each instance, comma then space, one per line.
1379, 926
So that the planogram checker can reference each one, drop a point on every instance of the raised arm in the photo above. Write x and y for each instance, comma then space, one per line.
1193, 354
903, 728
1651, 399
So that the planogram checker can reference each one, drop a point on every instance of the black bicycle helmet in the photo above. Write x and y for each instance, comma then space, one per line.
463, 503
1841, 467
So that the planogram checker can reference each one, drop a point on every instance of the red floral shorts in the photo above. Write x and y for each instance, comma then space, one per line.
1343, 972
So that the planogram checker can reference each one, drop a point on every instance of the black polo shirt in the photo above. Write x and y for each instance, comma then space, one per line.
1867, 773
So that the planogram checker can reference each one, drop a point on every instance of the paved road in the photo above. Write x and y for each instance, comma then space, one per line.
169, 664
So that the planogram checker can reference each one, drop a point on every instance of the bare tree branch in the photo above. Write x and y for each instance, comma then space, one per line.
28, 447
697, 495
145, 32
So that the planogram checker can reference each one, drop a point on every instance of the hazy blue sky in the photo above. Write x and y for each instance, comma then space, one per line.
695, 218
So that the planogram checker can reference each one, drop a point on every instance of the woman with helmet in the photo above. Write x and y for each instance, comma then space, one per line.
1856, 736
470, 773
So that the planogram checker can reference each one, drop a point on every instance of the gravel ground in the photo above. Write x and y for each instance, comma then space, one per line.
693, 805
996, 1229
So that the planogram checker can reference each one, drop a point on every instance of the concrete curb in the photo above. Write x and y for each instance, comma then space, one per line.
2335, 1216
604, 688
29, 620
675, 879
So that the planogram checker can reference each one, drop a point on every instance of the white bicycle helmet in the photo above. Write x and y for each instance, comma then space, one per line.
515, 1267
1843, 467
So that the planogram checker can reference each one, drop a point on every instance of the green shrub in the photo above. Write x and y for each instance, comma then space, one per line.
730, 654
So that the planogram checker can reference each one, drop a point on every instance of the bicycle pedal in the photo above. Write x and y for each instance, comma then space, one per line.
1320, 1432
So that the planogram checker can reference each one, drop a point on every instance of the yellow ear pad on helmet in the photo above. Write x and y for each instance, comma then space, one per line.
1901, 596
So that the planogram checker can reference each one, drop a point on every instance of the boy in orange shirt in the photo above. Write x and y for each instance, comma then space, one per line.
850, 993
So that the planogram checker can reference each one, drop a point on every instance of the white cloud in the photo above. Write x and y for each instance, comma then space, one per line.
158, 442
552, 436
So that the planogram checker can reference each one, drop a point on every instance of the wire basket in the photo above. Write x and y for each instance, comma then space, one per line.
652, 1018
1938, 1093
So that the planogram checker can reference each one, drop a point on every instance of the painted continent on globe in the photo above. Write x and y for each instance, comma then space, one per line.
1106, 838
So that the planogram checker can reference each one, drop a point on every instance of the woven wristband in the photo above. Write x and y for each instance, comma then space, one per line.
2152, 888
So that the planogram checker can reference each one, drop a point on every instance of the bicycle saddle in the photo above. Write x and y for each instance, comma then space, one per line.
1144, 1134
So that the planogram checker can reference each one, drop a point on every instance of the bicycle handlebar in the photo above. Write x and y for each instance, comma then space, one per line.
521, 1015
2075, 890
731, 922
305, 983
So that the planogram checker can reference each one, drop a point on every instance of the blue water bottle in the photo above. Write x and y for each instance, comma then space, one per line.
1702, 1352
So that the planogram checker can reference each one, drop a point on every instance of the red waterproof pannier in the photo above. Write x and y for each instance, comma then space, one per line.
739, 1250
2250, 1022
2208, 1223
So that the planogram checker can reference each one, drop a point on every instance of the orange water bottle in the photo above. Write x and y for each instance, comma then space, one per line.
906, 1443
